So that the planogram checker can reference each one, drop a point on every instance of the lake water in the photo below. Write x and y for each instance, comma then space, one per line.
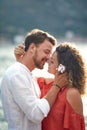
7, 58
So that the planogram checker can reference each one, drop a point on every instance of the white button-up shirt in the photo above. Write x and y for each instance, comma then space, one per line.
20, 93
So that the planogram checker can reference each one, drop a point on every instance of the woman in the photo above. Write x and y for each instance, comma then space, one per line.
67, 112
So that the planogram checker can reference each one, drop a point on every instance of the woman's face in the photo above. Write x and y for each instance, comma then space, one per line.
53, 63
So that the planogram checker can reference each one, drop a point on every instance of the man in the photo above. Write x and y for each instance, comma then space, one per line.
23, 108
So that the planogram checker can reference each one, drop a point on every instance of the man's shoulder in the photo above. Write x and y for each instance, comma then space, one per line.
12, 69
16, 70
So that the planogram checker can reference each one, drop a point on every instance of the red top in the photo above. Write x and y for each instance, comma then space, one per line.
61, 116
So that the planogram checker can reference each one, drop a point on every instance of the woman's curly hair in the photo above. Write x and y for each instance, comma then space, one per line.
70, 57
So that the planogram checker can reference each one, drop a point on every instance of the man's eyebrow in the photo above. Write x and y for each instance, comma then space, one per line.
47, 50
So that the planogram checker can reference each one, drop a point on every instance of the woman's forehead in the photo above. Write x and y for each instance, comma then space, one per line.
54, 54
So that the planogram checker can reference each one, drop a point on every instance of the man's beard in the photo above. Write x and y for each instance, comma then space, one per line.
37, 62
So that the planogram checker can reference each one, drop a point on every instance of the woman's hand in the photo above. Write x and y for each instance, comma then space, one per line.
19, 51
61, 79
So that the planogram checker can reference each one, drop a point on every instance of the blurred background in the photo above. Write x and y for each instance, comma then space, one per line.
64, 19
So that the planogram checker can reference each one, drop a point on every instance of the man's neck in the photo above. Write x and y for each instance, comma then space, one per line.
28, 63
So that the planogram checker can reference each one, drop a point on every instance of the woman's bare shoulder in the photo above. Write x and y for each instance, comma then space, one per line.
74, 99
48, 80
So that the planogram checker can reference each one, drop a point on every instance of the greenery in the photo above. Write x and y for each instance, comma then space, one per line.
54, 16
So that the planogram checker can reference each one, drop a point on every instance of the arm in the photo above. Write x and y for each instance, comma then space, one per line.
23, 92
48, 80
60, 80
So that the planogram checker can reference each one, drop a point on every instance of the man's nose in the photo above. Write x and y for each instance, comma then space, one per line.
48, 57
48, 60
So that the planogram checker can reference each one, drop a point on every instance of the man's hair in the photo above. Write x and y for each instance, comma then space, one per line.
37, 37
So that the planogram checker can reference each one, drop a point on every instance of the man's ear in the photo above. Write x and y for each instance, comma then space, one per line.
32, 47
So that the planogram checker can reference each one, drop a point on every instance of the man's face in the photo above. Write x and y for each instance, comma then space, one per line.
42, 54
